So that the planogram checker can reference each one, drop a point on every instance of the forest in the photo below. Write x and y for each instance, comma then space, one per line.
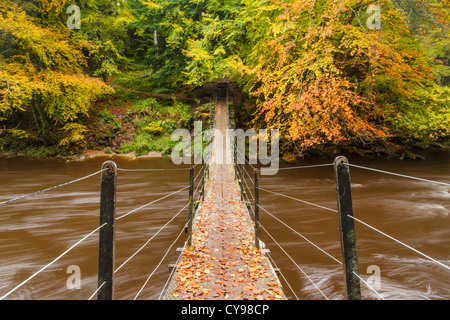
362, 76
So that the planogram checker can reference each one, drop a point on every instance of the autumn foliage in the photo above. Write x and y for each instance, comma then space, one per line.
43, 72
312, 68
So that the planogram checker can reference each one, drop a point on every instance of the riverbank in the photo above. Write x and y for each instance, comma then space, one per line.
414, 152
407, 150
88, 154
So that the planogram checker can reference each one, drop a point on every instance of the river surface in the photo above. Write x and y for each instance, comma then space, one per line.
37, 229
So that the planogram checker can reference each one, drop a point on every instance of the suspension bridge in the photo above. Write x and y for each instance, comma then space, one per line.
223, 256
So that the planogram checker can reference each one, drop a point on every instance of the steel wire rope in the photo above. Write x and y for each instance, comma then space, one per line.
176, 263
159, 264
148, 241
198, 173
198, 185
298, 233
243, 156
156, 169
399, 175
367, 284
52, 262
400, 242
248, 200
202, 171
369, 226
370, 287
303, 201
303, 167
362, 222
240, 176
288, 168
245, 181
248, 188
282, 275
54, 187
152, 202
294, 262
97, 290
249, 176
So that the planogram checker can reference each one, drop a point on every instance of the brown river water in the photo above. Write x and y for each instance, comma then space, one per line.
37, 229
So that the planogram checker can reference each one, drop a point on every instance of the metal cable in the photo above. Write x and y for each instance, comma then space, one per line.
98, 289
154, 201
368, 285
200, 171
144, 170
198, 185
159, 264
51, 188
48, 265
248, 200
248, 188
282, 275
398, 241
250, 177
289, 197
302, 167
294, 262
237, 149
399, 175
176, 263
145, 244
306, 239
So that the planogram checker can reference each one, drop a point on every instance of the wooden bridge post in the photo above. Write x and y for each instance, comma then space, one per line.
106, 235
191, 206
347, 228
257, 225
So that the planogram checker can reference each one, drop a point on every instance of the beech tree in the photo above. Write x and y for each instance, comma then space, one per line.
42, 71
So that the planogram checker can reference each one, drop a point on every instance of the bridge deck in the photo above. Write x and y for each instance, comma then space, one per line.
223, 263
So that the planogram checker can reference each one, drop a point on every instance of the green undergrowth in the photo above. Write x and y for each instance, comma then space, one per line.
147, 125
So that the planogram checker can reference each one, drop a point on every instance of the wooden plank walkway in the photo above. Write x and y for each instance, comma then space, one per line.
223, 262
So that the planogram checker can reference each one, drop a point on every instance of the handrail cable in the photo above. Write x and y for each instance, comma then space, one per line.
282, 275
289, 197
159, 264
156, 169
52, 262
306, 166
248, 175
198, 186
237, 149
400, 175
97, 290
248, 188
51, 188
248, 200
294, 262
148, 241
152, 202
398, 241
367, 284
198, 173
176, 263
289, 168
302, 167
306, 239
